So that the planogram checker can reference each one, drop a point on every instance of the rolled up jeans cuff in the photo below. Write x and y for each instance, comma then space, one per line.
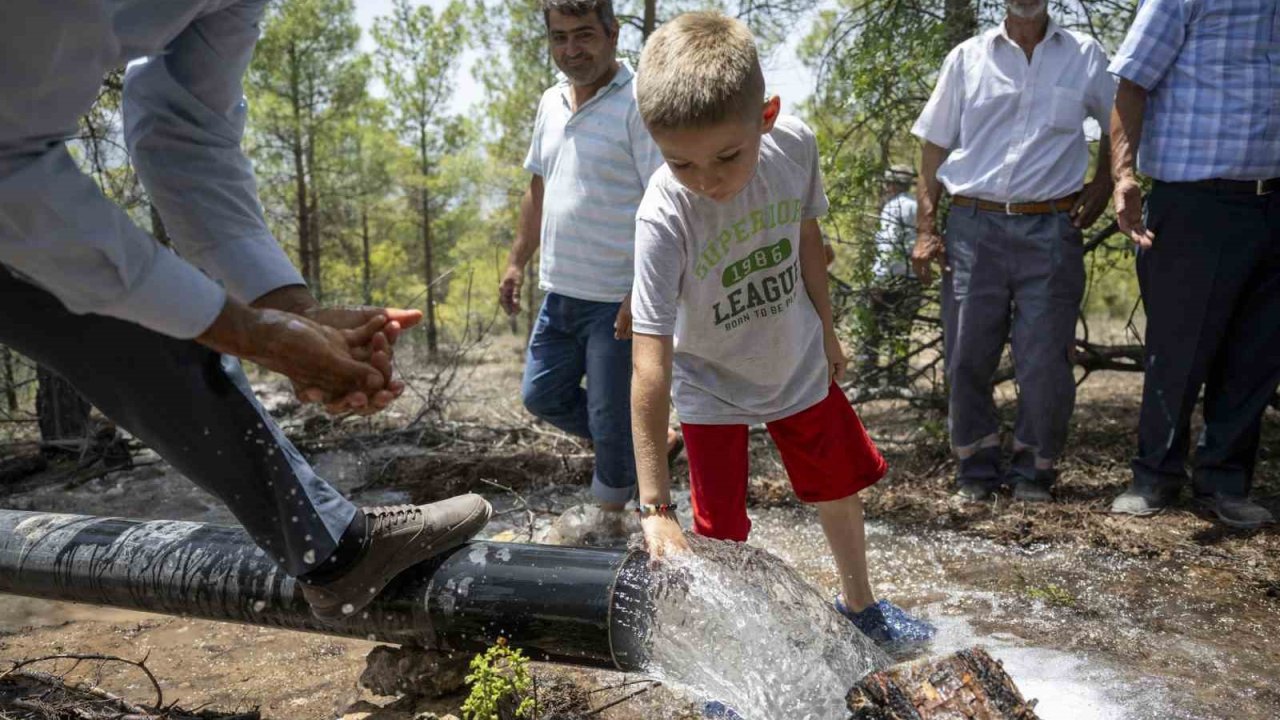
608, 494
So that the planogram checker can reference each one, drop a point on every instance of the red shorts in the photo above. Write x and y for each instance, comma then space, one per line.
826, 450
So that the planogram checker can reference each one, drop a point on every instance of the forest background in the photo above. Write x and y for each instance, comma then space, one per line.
388, 141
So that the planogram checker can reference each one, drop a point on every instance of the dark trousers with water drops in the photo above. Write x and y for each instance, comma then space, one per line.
1211, 285
192, 406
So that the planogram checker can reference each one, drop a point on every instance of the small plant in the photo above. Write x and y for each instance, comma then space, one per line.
499, 679
1052, 595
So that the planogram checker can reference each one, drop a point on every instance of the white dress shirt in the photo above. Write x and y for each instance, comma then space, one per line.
1015, 128
896, 238
184, 116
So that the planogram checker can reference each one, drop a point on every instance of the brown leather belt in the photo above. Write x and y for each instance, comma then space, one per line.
1033, 208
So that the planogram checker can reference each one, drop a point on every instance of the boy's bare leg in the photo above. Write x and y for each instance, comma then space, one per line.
846, 535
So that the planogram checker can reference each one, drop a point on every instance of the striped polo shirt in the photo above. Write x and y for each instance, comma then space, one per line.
596, 164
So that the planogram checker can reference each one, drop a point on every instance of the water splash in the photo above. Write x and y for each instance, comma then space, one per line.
736, 624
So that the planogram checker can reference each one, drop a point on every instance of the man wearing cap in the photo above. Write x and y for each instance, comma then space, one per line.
894, 300
1199, 107
1004, 133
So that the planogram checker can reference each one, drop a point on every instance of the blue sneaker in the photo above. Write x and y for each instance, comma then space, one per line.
717, 709
888, 625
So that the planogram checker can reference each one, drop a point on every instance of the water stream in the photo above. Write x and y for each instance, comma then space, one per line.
1088, 634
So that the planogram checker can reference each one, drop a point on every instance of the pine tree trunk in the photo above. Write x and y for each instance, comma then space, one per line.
158, 230
302, 208
969, 685
63, 414
10, 383
961, 17
367, 279
428, 259
650, 18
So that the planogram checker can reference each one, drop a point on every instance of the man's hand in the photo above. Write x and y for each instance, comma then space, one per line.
837, 361
1128, 194
930, 247
622, 325
509, 289
310, 354
664, 537
1092, 201
379, 351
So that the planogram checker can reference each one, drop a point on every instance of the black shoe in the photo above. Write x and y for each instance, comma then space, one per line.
1037, 489
978, 476
1235, 511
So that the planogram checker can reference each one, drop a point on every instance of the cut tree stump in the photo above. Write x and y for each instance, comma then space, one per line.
969, 685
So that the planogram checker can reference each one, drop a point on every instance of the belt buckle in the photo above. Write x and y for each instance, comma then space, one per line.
1008, 209
1262, 187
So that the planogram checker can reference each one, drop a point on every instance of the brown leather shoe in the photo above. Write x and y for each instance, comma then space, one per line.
400, 537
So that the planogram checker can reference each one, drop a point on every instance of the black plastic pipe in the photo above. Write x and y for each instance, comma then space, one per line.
577, 606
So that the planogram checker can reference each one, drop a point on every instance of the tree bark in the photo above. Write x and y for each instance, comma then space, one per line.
63, 414
428, 259
969, 685
313, 215
961, 17
302, 209
650, 18
367, 279
158, 230
10, 383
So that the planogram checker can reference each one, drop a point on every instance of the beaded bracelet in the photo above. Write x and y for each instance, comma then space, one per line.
647, 510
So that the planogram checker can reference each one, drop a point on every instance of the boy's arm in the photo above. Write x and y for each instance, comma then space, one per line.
650, 412
813, 268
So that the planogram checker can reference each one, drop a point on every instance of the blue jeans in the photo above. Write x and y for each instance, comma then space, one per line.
572, 339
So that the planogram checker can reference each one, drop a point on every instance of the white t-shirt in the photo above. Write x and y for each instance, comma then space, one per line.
896, 238
724, 279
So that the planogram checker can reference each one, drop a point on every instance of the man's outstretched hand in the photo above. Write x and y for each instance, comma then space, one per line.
377, 352
309, 353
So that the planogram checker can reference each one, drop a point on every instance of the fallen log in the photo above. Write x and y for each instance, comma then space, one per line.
969, 685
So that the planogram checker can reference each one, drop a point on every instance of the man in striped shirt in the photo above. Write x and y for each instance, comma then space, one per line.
590, 159
1198, 111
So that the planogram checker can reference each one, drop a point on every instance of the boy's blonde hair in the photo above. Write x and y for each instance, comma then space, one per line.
699, 70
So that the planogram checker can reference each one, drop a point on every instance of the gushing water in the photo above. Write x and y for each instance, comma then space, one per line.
736, 624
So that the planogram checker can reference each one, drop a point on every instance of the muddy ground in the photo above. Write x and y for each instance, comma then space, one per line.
485, 442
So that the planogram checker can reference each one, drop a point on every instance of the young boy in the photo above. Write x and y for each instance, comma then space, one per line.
731, 310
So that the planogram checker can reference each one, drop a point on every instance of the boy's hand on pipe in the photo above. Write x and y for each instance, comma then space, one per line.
664, 537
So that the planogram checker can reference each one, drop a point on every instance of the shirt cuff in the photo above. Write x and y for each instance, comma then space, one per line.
1135, 71
652, 328
251, 268
925, 133
173, 299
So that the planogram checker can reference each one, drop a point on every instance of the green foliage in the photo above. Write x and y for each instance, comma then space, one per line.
499, 676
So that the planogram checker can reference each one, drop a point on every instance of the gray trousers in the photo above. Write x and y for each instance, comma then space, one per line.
1211, 285
192, 406
1023, 273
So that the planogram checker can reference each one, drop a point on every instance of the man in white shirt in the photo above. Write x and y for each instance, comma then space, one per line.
1004, 134
894, 294
590, 159
151, 337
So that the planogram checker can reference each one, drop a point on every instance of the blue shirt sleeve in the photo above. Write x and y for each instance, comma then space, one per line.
184, 113
57, 230
1153, 43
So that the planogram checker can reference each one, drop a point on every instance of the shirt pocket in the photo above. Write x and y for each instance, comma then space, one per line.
1066, 109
